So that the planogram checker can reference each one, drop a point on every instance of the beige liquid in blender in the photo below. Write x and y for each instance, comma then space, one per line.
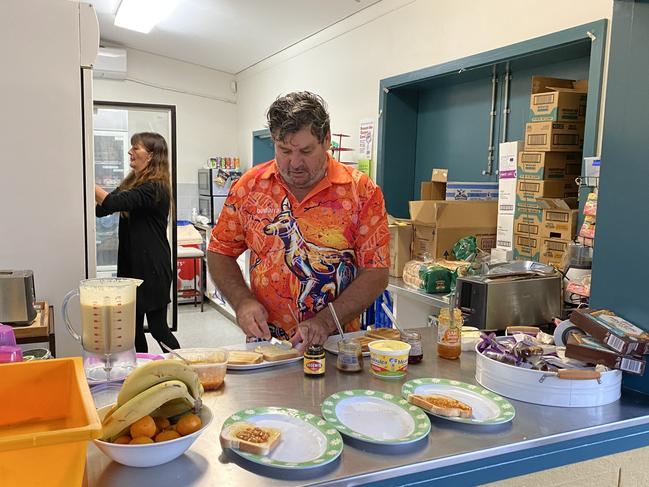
107, 327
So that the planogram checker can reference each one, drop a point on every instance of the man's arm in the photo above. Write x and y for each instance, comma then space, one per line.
250, 313
355, 299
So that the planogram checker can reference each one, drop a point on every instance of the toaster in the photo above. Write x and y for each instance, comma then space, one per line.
17, 297
515, 293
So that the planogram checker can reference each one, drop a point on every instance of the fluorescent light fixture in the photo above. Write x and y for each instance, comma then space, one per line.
142, 15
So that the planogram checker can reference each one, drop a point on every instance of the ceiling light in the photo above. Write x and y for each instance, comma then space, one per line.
142, 15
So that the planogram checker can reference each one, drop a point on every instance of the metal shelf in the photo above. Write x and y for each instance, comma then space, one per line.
397, 286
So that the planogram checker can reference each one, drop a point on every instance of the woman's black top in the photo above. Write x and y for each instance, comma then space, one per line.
143, 250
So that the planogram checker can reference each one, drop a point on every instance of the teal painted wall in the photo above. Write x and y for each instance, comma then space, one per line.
620, 268
439, 116
262, 147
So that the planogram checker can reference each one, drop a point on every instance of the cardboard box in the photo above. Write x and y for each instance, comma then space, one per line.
505, 232
435, 189
507, 196
508, 159
469, 191
592, 351
558, 100
401, 232
554, 136
548, 165
553, 251
615, 332
527, 247
529, 191
559, 224
438, 225
436, 242
501, 255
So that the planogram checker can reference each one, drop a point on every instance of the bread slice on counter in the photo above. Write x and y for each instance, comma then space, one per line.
244, 357
272, 353
442, 405
248, 437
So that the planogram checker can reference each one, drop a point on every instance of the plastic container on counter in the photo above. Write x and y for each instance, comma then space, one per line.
52, 449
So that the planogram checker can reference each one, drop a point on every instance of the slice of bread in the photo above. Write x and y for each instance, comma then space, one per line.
442, 405
364, 342
244, 357
272, 353
249, 437
384, 334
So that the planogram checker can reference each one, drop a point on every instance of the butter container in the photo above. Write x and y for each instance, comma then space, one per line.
389, 358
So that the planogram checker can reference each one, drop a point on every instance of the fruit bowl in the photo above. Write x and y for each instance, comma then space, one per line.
152, 454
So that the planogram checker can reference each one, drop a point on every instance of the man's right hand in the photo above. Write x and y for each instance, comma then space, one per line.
251, 317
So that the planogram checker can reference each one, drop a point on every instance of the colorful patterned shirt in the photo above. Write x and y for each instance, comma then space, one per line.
303, 254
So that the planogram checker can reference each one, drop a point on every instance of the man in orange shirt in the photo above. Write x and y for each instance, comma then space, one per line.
317, 231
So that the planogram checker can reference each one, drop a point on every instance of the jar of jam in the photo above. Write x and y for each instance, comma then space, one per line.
350, 356
314, 361
413, 338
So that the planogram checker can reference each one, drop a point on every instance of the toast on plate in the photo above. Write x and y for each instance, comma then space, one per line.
384, 334
272, 353
442, 405
248, 437
363, 341
244, 357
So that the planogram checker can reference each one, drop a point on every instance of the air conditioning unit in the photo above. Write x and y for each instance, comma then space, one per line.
110, 64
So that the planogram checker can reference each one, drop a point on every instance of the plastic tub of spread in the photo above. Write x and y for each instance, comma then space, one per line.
389, 358
47, 418
209, 363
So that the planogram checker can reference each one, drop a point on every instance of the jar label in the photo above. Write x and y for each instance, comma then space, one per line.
314, 367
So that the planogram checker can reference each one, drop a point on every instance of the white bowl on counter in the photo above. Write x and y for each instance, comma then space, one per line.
152, 454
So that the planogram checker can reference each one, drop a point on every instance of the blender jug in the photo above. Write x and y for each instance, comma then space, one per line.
107, 326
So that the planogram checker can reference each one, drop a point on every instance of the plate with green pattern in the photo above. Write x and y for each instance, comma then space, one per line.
307, 441
375, 417
486, 407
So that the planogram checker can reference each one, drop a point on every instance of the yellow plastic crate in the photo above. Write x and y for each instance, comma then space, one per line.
47, 418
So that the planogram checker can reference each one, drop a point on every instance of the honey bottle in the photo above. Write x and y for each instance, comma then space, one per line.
449, 333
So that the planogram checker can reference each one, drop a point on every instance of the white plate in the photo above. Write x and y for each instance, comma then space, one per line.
307, 441
331, 345
375, 417
261, 365
488, 408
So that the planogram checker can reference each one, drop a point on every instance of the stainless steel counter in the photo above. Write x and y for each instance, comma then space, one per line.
447, 444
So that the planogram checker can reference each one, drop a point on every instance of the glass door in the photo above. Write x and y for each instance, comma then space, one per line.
114, 124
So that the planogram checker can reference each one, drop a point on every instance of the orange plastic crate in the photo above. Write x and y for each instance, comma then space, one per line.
47, 418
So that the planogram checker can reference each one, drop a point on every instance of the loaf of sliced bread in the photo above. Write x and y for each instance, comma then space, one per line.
249, 437
442, 405
244, 357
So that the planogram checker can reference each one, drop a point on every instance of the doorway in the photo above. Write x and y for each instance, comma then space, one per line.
114, 123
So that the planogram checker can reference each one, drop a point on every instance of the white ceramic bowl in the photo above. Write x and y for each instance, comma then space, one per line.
152, 454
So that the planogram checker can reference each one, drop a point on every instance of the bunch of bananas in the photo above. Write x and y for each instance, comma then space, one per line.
163, 388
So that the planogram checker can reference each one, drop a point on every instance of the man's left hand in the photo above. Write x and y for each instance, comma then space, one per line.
314, 331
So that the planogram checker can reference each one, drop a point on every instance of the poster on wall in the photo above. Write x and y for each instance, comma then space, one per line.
365, 141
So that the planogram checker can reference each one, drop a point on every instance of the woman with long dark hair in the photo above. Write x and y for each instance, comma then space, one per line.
144, 199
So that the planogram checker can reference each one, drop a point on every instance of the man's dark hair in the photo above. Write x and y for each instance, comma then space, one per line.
291, 113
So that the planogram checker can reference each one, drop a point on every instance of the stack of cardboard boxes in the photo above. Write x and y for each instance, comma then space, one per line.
545, 219
436, 223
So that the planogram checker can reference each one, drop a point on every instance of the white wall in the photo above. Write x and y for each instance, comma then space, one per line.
205, 105
345, 63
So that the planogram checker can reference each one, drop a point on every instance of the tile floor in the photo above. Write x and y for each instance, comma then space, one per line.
207, 329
